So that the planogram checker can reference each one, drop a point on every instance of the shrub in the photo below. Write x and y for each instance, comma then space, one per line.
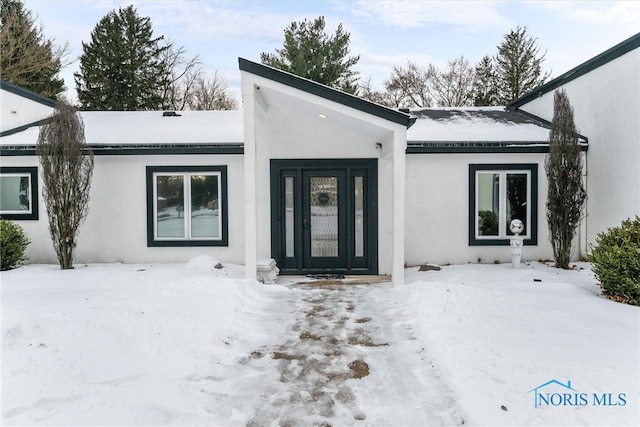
616, 261
13, 244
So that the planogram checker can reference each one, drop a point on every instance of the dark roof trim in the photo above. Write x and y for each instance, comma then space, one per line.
326, 92
461, 147
547, 123
609, 55
23, 128
26, 93
137, 149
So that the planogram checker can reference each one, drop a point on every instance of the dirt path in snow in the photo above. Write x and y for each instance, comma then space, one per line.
346, 362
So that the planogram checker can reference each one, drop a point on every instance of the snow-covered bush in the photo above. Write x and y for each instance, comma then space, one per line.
13, 244
616, 261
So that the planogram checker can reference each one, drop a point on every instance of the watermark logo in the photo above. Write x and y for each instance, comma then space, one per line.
556, 393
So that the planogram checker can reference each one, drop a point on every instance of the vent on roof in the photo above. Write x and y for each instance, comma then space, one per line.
170, 114
404, 110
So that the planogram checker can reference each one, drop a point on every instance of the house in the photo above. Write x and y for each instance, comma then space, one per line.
317, 179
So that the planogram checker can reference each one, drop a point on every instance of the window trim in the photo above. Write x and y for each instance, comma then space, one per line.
532, 169
32, 173
152, 240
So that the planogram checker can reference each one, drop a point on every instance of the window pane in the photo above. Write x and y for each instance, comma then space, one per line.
170, 206
324, 216
358, 186
516, 200
288, 216
15, 193
488, 203
205, 217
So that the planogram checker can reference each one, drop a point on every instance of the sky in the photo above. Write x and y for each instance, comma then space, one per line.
384, 33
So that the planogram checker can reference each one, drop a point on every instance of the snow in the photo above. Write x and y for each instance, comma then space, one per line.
150, 127
192, 344
490, 124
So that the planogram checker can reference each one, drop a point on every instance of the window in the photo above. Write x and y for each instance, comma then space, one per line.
19, 193
187, 206
499, 194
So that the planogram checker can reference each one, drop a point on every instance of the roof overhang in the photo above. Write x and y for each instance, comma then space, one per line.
278, 89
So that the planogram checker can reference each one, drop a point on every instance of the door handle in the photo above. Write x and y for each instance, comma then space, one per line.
305, 223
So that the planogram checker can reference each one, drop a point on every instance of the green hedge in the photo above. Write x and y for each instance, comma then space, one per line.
13, 244
616, 261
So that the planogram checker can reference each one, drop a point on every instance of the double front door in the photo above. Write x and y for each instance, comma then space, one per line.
324, 216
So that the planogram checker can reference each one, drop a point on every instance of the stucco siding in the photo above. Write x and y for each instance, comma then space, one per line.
116, 227
437, 210
287, 135
606, 103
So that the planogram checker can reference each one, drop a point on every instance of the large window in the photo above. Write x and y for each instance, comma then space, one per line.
499, 194
19, 192
187, 206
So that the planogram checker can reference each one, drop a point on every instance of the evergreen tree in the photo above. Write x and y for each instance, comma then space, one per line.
122, 67
309, 52
27, 57
566, 193
485, 90
518, 65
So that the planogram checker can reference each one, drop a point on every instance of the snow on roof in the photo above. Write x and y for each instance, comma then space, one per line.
151, 127
491, 124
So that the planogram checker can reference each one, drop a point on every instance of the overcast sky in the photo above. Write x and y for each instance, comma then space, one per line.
383, 33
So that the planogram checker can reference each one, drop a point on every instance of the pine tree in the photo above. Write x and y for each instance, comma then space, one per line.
27, 58
309, 52
518, 65
121, 68
566, 193
485, 90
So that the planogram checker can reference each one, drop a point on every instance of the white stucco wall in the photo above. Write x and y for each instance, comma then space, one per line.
116, 227
287, 135
437, 210
16, 111
606, 103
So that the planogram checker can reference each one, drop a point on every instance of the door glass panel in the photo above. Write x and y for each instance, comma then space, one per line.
358, 188
205, 218
488, 203
516, 200
170, 206
288, 216
323, 194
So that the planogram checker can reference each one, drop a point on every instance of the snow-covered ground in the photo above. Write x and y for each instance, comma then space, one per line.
194, 345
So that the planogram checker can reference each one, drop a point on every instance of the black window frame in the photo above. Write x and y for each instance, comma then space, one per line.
533, 197
151, 240
32, 171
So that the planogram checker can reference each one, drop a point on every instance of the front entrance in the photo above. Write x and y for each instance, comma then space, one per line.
324, 216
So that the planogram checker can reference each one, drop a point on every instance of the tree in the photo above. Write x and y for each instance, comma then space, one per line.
566, 193
485, 91
518, 65
453, 87
182, 75
67, 167
387, 98
123, 67
310, 53
411, 86
211, 94
27, 57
